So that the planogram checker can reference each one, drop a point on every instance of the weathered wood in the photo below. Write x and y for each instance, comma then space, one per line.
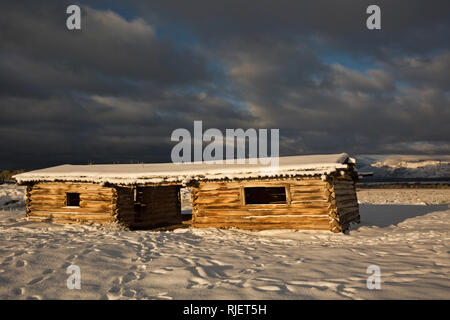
344, 187
62, 197
159, 205
346, 180
352, 216
71, 216
347, 197
264, 226
346, 203
221, 200
70, 185
307, 190
220, 203
265, 219
308, 197
49, 200
343, 192
260, 212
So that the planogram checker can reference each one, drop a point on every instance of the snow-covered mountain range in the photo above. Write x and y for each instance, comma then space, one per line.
405, 167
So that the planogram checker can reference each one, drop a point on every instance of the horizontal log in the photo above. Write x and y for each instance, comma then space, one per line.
265, 226
218, 200
292, 206
224, 206
62, 193
308, 190
347, 204
344, 192
344, 211
52, 187
308, 197
306, 202
62, 197
310, 205
306, 182
265, 219
72, 210
263, 183
71, 216
350, 217
261, 212
104, 205
217, 186
346, 180
341, 187
62, 203
228, 192
346, 197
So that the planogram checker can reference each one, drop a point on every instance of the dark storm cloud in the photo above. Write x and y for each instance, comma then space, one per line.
109, 53
414, 25
137, 70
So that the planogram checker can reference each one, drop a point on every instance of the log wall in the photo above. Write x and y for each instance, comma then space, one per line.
345, 208
48, 200
221, 204
310, 204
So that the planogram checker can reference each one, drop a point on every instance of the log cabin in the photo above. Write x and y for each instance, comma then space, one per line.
303, 192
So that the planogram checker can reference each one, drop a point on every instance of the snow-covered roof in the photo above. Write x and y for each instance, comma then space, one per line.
160, 173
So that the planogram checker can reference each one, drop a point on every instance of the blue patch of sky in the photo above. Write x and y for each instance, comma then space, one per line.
173, 32
346, 60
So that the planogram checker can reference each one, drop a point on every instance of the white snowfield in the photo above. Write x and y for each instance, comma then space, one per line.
409, 243
185, 172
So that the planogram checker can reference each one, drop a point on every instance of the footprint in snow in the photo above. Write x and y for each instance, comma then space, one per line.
130, 276
18, 291
129, 293
21, 263
37, 280
8, 259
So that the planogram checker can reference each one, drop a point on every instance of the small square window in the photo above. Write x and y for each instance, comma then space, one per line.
72, 199
265, 195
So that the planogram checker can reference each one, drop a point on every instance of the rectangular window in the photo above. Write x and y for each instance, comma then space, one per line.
265, 195
72, 199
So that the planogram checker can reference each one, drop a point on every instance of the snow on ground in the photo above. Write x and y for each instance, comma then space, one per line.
404, 196
410, 244
12, 196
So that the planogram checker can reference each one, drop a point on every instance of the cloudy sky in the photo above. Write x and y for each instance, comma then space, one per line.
115, 91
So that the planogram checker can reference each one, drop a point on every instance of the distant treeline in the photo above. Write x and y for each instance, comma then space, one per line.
6, 175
